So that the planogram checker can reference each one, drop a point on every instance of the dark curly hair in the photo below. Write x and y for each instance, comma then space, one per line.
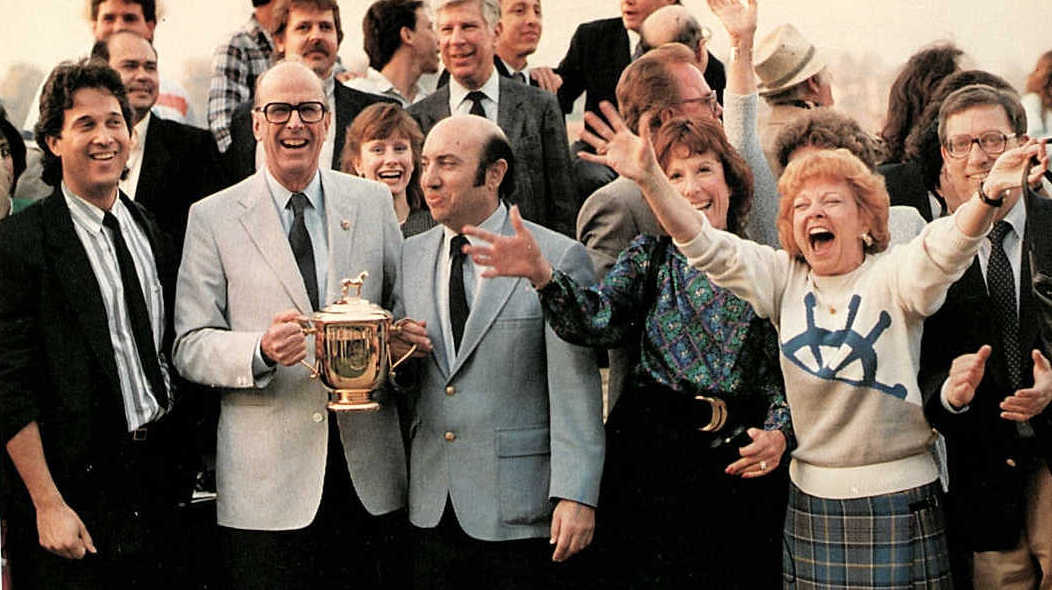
828, 129
922, 144
57, 97
704, 135
17, 147
912, 91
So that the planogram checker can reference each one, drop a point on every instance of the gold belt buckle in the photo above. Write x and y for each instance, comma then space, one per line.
719, 413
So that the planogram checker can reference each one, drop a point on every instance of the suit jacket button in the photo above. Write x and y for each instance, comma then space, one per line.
450, 436
317, 417
450, 390
1010, 462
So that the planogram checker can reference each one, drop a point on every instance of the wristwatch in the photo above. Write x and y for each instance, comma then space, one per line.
986, 198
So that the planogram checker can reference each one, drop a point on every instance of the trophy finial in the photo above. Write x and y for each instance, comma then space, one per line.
346, 284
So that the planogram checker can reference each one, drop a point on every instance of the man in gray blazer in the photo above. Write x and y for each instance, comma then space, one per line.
299, 488
530, 117
507, 435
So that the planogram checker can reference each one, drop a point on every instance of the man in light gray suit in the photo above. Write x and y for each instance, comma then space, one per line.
530, 117
507, 435
299, 488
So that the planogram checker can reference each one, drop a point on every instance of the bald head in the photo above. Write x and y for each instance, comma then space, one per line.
467, 164
291, 119
675, 24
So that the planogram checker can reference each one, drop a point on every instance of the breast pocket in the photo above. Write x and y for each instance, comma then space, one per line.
523, 474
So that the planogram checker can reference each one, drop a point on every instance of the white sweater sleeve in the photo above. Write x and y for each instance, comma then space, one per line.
921, 271
755, 272
739, 122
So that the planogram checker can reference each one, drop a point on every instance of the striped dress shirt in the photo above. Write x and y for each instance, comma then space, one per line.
140, 405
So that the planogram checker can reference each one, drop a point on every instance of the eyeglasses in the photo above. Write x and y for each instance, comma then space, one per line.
992, 143
280, 112
708, 100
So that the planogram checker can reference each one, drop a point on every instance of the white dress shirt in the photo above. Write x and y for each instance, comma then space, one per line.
458, 96
374, 82
138, 147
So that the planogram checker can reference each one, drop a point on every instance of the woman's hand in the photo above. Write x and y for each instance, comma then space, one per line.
630, 155
1007, 171
760, 457
510, 256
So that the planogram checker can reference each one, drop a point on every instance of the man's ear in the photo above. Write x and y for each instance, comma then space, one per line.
495, 173
258, 121
52, 145
499, 29
279, 44
406, 35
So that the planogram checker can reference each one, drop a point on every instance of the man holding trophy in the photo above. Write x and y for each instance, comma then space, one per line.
307, 497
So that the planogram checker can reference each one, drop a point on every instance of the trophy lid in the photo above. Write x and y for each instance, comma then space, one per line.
352, 307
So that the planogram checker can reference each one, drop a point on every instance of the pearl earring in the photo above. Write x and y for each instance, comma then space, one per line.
867, 239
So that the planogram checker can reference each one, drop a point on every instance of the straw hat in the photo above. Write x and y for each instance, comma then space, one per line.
784, 58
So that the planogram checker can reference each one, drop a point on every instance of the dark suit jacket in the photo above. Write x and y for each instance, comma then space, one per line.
986, 479
905, 184
180, 166
58, 369
498, 63
531, 119
239, 160
598, 53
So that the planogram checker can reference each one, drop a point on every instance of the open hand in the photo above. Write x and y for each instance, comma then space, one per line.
630, 155
1007, 171
738, 19
546, 79
1027, 403
761, 456
509, 256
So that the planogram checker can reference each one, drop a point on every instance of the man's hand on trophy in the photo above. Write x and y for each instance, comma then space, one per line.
284, 341
407, 333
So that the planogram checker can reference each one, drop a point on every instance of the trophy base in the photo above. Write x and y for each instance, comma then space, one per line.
349, 400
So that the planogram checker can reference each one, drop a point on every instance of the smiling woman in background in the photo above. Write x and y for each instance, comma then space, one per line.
383, 144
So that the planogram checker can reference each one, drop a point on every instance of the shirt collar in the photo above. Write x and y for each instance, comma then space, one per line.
330, 85
492, 224
139, 132
281, 195
254, 27
86, 214
512, 71
1016, 217
458, 93
379, 80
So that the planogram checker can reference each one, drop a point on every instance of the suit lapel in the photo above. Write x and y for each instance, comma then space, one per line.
264, 229
154, 157
341, 217
510, 110
73, 271
421, 277
492, 296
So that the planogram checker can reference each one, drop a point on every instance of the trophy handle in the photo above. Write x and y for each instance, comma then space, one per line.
397, 328
308, 328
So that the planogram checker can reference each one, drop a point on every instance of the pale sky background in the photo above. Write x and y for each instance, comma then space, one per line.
1003, 36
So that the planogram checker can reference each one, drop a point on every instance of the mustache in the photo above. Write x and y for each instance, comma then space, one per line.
317, 46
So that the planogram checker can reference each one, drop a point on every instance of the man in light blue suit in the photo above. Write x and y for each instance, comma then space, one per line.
507, 435
307, 498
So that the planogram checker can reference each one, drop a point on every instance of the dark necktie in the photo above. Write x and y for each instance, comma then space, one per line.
476, 103
520, 77
1001, 283
302, 249
138, 315
458, 299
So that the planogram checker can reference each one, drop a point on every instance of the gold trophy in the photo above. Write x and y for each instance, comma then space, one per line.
352, 348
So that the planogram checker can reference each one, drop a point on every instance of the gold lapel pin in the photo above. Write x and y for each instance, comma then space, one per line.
345, 224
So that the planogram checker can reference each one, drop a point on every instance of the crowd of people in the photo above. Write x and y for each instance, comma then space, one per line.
825, 350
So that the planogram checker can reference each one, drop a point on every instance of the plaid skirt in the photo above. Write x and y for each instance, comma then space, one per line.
893, 540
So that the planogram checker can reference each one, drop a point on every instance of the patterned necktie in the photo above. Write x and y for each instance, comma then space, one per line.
1001, 283
302, 249
476, 103
138, 316
458, 299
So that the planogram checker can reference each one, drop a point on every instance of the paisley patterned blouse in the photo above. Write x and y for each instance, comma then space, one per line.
695, 337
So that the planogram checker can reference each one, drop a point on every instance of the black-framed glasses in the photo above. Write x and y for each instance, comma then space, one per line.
277, 113
993, 143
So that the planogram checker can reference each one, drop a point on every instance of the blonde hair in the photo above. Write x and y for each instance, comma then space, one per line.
866, 187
